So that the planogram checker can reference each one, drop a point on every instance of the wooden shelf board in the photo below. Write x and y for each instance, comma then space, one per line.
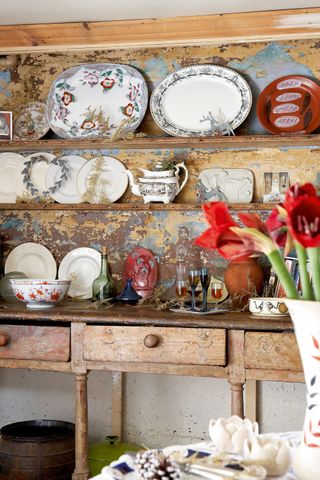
236, 142
128, 207
205, 29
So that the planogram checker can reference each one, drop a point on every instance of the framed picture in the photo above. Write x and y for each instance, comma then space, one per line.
5, 126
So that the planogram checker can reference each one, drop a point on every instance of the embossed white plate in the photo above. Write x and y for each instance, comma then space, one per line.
95, 100
68, 192
110, 179
184, 99
32, 259
81, 266
10, 164
232, 185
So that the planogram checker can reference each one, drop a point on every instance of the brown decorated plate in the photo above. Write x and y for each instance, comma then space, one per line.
290, 105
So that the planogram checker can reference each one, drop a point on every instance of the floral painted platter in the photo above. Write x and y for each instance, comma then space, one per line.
31, 122
290, 104
190, 101
102, 180
32, 259
97, 100
82, 267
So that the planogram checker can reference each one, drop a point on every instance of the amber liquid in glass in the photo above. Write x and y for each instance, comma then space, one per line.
216, 292
181, 291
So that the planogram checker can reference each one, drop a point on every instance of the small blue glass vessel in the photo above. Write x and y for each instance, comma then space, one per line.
128, 294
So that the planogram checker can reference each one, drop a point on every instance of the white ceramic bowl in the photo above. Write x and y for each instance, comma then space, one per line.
40, 293
268, 306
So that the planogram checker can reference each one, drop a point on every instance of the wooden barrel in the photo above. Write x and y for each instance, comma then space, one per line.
37, 450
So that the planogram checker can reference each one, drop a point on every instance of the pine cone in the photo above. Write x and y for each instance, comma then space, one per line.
153, 465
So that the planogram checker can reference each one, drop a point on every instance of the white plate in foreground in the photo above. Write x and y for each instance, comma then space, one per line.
32, 259
81, 266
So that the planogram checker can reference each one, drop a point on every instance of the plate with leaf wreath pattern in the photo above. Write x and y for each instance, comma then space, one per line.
97, 100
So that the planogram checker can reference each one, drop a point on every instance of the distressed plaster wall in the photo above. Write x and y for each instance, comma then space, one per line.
158, 409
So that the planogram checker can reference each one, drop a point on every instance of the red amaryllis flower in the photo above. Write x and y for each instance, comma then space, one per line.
219, 236
252, 220
277, 225
304, 221
298, 191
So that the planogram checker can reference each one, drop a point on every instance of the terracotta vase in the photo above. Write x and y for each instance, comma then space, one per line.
306, 319
243, 280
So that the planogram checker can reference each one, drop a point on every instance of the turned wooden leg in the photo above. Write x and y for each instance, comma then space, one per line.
81, 471
236, 370
237, 399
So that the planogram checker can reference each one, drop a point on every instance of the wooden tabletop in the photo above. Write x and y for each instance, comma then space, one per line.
120, 314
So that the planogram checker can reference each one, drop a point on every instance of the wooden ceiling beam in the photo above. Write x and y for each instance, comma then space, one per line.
218, 29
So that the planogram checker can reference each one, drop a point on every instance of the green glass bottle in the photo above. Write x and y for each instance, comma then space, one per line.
103, 287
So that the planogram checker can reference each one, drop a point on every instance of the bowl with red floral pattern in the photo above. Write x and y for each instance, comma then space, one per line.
40, 293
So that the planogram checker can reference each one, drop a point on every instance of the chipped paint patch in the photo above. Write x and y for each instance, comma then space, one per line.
5, 78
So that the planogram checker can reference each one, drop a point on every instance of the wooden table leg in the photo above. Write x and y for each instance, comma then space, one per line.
81, 471
237, 399
236, 370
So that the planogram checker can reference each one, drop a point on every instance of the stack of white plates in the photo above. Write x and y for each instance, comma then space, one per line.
81, 266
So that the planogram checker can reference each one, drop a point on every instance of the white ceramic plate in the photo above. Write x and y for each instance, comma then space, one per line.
68, 192
10, 164
31, 122
81, 266
37, 175
32, 259
94, 100
110, 183
183, 99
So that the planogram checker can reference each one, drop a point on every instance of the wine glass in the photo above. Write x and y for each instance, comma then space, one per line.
181, 283
205, 281
216, 292
194, 278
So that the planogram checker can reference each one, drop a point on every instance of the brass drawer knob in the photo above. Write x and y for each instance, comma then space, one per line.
151, 340
4, 339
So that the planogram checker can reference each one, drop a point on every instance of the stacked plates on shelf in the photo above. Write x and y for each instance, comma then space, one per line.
67, 179
32, 259
35, 261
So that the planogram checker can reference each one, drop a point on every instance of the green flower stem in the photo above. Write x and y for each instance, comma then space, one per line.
284, 276
307, 291
314, 257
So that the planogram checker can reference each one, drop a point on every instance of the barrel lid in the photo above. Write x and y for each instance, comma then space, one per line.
111, 449
37, 430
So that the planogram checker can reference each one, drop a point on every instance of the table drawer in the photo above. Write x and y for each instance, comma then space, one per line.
35, 342
192, 346
276, 351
